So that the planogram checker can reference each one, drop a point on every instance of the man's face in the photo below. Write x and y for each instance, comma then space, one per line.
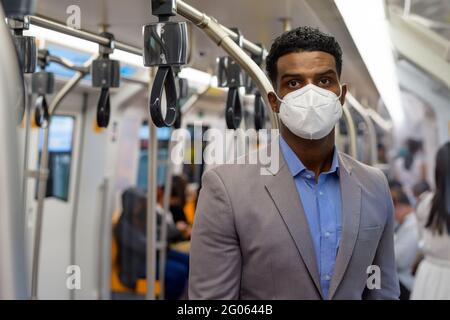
298, 69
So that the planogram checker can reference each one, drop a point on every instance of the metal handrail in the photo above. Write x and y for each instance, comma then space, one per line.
226, 38
370, 127
43, 176
85, 35
351, 130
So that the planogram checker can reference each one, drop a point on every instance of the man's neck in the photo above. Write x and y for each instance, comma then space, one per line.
316, 155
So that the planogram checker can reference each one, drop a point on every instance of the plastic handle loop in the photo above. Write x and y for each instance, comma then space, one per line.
177, 123
164, 80
233, 111
182, 94
103, 109
41, 115
260, 116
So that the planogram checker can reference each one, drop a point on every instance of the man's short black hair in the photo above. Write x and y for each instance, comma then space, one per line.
302, 39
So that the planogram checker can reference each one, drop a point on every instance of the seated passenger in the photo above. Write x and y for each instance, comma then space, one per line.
178, 198
132, 243
406, 241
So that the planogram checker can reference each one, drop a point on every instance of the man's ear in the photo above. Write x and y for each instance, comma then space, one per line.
273, 102
344, 92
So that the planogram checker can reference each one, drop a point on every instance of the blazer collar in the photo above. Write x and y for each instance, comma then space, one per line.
281, 188
351, 216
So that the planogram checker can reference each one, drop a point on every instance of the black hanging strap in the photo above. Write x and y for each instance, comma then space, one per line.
233, 110
103, 108
182, 92
260, 116
164, 80
41, 115
177, 123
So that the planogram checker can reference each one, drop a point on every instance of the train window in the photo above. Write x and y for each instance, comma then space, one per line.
78, 57
193, 171
60, 156
163, 135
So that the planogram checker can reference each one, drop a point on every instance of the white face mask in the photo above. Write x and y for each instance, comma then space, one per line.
310, 112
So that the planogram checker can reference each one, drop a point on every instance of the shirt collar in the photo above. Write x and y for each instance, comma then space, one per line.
296, 166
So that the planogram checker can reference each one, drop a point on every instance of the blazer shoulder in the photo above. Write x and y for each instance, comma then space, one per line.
244, 168
366, 174
234, 173
374, 185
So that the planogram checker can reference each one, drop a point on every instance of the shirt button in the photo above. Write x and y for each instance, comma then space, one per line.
308, 176
327, 234
327, 277
321, 193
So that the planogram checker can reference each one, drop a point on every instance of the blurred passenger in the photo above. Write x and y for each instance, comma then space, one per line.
406, 239
410, 167
181, 225
191, 202
433, 213
178, 198
420, 191
132, 243
381, 153
394, 185
178, 203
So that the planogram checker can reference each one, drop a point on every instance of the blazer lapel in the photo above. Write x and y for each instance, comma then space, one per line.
351, 213
284, 194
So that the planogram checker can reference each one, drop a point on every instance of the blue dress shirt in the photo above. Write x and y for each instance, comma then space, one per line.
322, 205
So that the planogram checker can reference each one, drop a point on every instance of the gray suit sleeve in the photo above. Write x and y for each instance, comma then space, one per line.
215, 256
385, 256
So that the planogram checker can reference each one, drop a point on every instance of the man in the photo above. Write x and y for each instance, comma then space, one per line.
406, 241
319, 227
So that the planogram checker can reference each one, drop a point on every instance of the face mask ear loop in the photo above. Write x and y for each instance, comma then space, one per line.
340, 94
278, 98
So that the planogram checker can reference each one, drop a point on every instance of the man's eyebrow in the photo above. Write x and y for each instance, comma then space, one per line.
329, 71
291, 75
299, 75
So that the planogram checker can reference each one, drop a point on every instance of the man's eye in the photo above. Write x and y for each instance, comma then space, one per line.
293, 83
325, 81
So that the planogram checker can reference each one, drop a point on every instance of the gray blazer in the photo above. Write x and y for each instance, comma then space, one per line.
251, 239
